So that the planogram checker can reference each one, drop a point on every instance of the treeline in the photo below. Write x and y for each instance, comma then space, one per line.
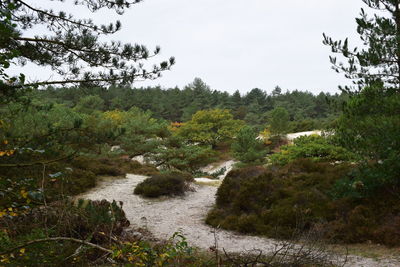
306, 110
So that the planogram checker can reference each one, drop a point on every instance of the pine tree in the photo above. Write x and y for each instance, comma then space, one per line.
71, 47
379, 60
370, 122
247, 148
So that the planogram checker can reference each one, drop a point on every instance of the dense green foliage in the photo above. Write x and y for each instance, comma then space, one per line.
247, 148
314, 147
352, 202
169, 184
370, 127
210, 127
176, 153
279, 121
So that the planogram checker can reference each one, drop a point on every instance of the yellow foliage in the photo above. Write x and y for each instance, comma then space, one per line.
116, 116
174, 126
4, 259
266, 136
24, 194
7, 153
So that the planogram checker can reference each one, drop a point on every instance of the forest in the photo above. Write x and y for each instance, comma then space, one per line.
96, 171
306, 111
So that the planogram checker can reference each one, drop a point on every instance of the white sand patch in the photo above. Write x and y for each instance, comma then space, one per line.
205, 180
292, 136
139, 159
228, 165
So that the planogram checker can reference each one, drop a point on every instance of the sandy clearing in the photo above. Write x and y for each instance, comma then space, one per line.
165, 216
228, 165
291, 136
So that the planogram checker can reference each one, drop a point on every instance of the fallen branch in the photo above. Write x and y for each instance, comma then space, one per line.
55, 239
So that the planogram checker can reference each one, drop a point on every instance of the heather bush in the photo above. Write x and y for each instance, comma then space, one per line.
168, 184
279, 201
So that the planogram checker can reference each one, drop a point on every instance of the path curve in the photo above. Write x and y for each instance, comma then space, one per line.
163, 217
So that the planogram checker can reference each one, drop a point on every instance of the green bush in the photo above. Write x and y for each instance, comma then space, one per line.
314, 147
169, 184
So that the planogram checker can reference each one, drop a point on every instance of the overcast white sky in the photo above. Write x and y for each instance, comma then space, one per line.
237, 44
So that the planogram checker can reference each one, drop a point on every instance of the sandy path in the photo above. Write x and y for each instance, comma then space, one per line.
166, 216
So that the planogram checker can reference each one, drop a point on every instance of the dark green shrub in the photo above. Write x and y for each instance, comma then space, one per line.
170, 184
275, 202
185, 175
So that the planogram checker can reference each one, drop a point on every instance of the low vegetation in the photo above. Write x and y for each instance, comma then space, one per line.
168, 184
278, 201
314, 147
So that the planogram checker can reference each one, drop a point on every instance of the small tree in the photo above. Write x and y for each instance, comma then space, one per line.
211, 127
279, 121
178, 154
247, 148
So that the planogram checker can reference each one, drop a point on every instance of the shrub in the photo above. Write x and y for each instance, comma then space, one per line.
274, 201
169, 184
316, 148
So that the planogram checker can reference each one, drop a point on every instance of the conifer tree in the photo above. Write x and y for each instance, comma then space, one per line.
379, 60
370, 122
71, 46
